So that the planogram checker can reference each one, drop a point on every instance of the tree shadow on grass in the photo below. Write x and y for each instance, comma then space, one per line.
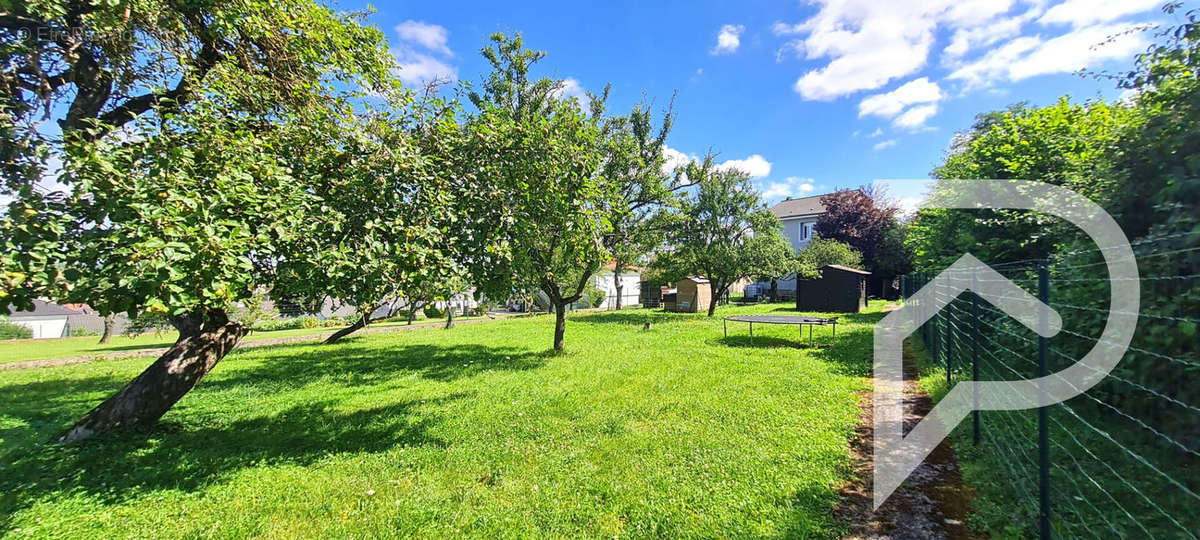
118, 467
638, 317
768, 342
359, 358
205, 449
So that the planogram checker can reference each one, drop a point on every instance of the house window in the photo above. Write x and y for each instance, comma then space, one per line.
805, 231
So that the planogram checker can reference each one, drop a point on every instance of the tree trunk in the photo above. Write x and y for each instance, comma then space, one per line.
449, 316
203, 341
774, 290
359, 325
617, 285
109, 323
560, 326
716, 293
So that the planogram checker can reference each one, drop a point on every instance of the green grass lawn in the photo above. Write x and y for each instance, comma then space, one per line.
674, 431
22, 350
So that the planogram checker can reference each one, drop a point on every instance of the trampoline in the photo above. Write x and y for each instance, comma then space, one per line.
783, 319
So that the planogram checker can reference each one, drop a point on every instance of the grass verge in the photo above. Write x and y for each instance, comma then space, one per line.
477, 430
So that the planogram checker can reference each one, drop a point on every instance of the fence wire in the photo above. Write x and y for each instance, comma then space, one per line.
1121, 459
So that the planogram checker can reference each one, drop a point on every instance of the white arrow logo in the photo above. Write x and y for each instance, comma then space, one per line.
896, 455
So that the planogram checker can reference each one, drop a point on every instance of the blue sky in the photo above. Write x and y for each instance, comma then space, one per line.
808, 97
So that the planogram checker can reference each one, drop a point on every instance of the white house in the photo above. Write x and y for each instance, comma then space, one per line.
631, 286
799, 217
47, 320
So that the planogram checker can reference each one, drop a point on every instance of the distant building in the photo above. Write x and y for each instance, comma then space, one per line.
799, 217
692, 294
47, 320
91, 320
631, 285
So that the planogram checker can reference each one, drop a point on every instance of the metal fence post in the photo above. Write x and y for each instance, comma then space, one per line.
975, 361
950, 337
1043, 412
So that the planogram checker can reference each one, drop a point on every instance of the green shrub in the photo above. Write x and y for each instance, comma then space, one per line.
294, 323
254, 311
433, 312
594, 296
81, 332
147, 321
823, 251
14, 331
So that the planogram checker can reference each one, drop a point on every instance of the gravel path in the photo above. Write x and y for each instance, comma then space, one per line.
932, 503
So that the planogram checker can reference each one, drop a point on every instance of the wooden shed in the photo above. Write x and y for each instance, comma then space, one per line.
839, 289
692, 295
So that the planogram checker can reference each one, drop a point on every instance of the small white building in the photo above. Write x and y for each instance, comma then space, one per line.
631, 286
47, 320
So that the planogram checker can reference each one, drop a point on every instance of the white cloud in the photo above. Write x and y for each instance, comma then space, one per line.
908, 205
915, 117
572, 89
729, 39
878, 132
1085, 12
867, 44
417, 69
976, 12
870, 43
892, 103
966, 39
756, 166
1026, 57
674, 158
784, 29
791, 186
884, 144
430, 36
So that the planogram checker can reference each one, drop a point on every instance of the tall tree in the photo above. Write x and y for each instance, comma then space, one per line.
540, 158
858, 217
1066, 144
634, 163
384, 178
724, 232
172, 121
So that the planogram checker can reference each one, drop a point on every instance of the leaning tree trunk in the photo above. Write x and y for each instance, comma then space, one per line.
109, 323
560, 326
449, 316
203, 341
358, 325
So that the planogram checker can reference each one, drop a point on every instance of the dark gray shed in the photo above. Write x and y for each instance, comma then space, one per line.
839, 289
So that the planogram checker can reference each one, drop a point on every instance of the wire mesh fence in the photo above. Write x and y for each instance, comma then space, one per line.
1119, 460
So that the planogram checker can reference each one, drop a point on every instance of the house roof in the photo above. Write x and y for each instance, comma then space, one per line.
612, 265
804, 206
847, 269
696, 279
43, 309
